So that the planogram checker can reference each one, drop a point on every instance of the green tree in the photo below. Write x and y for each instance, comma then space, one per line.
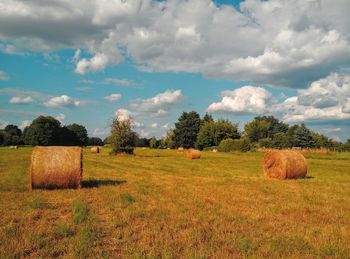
79, 134
301, 136
43, 131
264, 127
122, 139
153, 143
228, 145
186, 129
11, 135
169, 139
94, 141
212, 133
281, 140
320, 140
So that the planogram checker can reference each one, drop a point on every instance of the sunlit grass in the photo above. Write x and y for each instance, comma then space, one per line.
160, 204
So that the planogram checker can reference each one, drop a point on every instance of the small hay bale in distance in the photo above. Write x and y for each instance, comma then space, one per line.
56, 167
95, 150
14, 147
180, 149
193, 154
284, 164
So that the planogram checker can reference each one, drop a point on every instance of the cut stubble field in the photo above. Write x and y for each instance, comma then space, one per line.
158, 203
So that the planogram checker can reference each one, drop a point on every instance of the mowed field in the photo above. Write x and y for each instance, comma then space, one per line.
160, 204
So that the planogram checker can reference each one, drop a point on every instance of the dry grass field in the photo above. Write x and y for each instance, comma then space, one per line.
161, 204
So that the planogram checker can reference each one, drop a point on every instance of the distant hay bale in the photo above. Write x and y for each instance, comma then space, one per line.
14, 147
95, 150
215, 150
193, 154
56, 167
286, 164
180, 149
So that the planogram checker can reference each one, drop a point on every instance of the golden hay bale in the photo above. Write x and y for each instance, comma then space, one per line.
14, 147
193, 154
180, 149
56, 167
95, 150
284, 164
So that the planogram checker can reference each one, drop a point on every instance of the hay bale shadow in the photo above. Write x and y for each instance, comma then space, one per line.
94, 183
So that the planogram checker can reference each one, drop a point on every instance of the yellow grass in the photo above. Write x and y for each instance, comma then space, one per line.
161, 204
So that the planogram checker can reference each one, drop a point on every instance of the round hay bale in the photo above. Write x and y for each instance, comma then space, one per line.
95, 150
284, 164
193, 154
180, 149
56, 167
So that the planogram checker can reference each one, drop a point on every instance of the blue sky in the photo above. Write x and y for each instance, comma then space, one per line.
153, 60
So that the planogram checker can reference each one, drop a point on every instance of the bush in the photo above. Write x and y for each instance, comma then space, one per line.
228, 145
123, 150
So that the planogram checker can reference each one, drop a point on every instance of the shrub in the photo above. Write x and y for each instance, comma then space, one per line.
228, 145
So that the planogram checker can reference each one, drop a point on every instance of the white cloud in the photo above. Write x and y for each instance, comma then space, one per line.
25, 123
288, 43
60, 117
113, 97
99, 132
158, 104
3, 124
123, 114
3, 75
21, 100
62, 101
244, 100
154, 125
119, 81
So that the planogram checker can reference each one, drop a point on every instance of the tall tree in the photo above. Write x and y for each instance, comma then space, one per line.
11, 135
43, 131
264, 127
301, 136
122, 139
186, 129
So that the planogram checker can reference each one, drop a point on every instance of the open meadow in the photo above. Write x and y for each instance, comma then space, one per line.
158, 203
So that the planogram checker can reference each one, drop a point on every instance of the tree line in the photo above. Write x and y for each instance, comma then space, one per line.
190, 131
47, 131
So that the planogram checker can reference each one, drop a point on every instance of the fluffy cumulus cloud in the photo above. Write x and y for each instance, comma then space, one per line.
123, 114
21, 100
3, 75
277, 42
324, 101
61, 101
244, 100
113, 97
158, 105
60, 117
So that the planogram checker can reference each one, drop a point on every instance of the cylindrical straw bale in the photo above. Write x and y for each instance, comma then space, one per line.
284, 164
193, 154
56, 167
180, 149
95, 150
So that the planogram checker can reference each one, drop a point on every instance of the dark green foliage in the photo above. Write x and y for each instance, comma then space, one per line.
78, 134
281, 140
43, 131
142, 142
169, 139
301, 136
212, 133
186, 129
228, 145
11, 135
95, 141
264, 127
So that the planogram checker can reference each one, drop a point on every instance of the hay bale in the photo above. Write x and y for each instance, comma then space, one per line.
14, 147
56, 167
95, 150
180, 149
284, 164
193, 154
